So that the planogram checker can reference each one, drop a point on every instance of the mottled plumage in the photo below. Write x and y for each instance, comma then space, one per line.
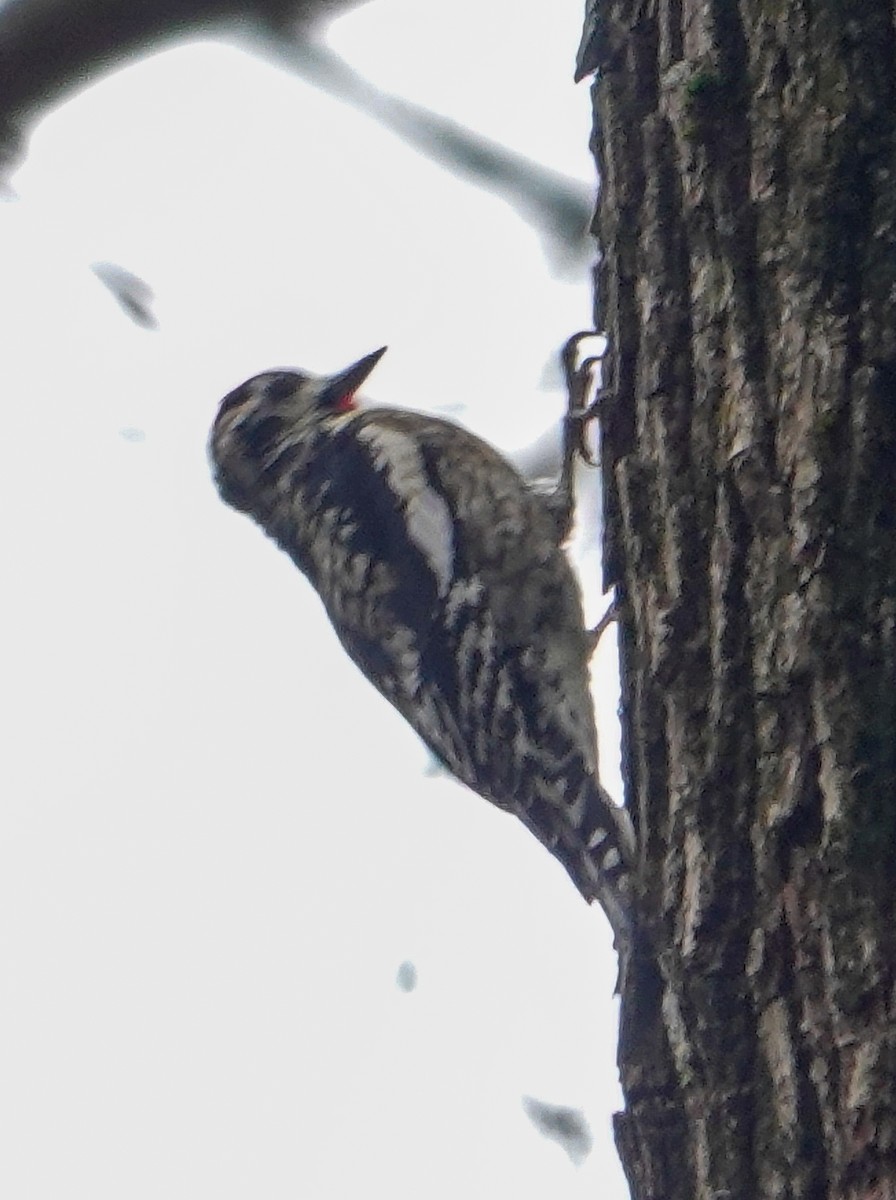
442, 575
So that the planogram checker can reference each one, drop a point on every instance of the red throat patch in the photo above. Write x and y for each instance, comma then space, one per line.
345, 403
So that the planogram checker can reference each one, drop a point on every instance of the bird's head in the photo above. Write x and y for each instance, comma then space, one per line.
272, 412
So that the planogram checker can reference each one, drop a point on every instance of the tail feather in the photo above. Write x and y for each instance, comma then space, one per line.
597, 850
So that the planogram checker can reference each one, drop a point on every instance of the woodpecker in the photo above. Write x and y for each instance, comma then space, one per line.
444, 578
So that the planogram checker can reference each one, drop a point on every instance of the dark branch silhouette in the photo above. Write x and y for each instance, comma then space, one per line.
49, 49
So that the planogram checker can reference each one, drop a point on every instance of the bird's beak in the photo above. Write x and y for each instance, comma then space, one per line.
338, 390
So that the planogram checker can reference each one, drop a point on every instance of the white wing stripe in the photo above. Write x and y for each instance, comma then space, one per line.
428, 517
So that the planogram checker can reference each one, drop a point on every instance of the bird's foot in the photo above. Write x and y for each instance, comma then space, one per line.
595, 634
578, 416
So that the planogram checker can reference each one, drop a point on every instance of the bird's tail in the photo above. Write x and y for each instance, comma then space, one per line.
596, 845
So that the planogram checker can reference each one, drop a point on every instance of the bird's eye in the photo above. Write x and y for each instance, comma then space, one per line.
279, 387
271, 388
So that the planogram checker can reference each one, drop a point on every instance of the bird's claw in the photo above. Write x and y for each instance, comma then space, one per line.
579, 412
595, 634
580, 418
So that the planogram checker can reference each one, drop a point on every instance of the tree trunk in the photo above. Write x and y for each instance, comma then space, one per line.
748, 224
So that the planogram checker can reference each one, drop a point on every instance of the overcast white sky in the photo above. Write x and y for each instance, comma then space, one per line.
218, 844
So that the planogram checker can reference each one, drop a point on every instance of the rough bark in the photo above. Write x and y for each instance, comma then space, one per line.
747, 220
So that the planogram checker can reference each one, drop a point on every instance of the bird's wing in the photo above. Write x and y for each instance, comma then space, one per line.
428, 615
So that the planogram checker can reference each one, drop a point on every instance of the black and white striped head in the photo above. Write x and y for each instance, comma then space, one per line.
272, 410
